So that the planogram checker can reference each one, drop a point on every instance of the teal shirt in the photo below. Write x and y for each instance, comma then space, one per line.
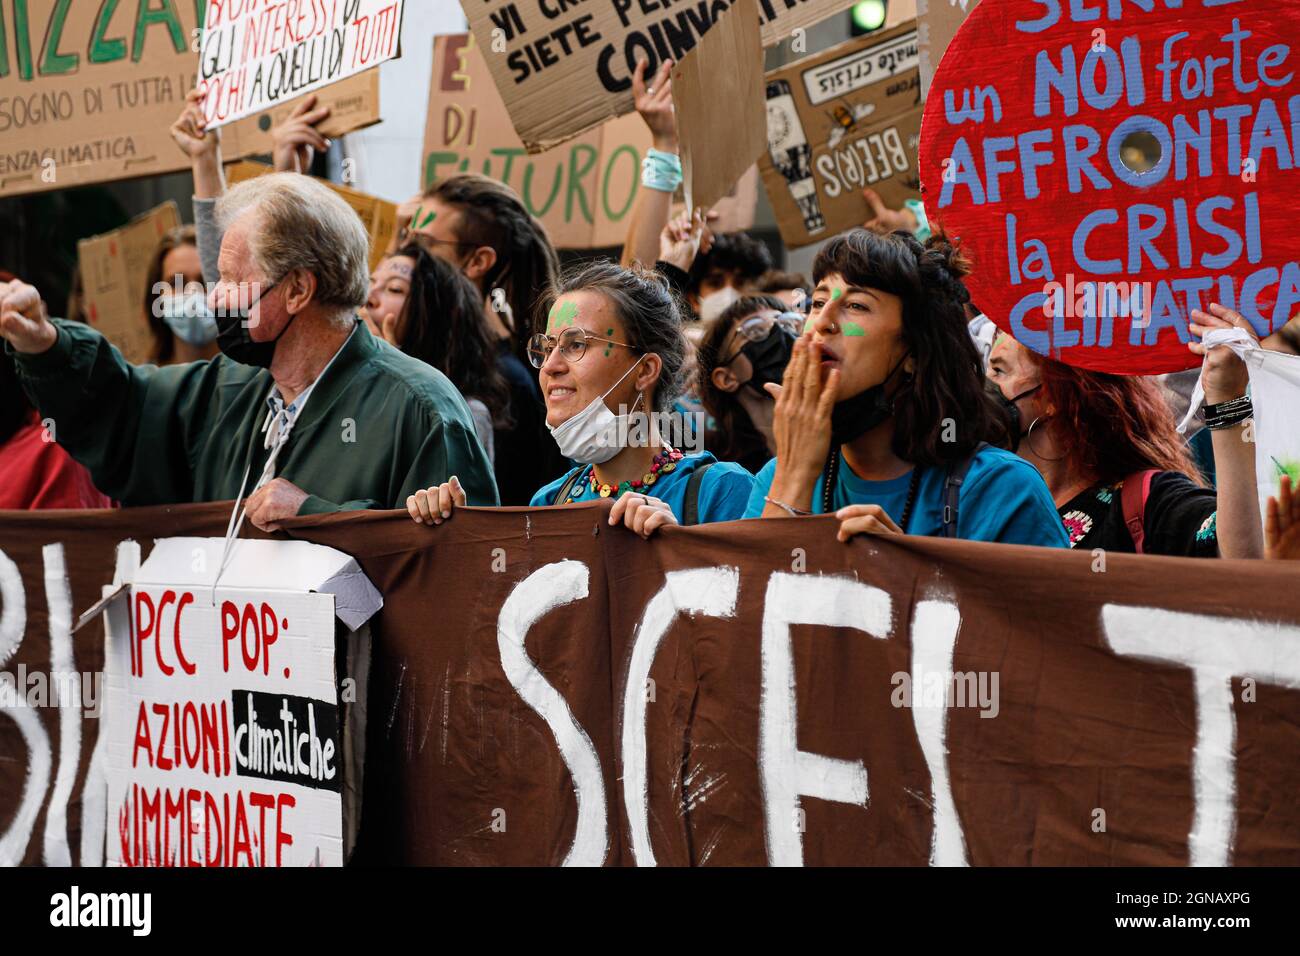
1003, 499
378, 426
724, 490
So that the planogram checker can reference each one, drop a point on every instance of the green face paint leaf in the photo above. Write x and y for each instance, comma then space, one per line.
852, 329
417, 223
562, 313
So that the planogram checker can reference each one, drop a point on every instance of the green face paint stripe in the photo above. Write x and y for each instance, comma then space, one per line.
836, 293
853, 329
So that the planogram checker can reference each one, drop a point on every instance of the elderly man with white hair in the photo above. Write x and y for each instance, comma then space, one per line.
304, 410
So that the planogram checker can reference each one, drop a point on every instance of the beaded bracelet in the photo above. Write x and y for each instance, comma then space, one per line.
661, 171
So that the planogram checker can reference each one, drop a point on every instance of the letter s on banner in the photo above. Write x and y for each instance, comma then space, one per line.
532, 599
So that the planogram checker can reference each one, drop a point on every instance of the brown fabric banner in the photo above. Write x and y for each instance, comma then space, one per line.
546, 689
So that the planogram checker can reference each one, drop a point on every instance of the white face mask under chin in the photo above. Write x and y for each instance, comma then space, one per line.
591, 437
715, 303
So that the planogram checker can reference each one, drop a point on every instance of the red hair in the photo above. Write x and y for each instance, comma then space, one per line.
1120, 423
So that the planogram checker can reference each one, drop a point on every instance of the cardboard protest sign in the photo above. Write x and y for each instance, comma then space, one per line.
718, 101
254, 56
379, 215
353, 105
993, 695
936, 24
1120, 169
115, 269
582, 191
94, 102
563, 68
224, 736
839, 121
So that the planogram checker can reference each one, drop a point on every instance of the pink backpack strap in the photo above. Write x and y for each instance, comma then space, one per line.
1133, 499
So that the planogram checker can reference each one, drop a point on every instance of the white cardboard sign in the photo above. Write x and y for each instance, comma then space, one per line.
223, 717
254, 55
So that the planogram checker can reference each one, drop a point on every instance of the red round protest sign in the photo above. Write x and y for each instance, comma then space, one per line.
1110, 165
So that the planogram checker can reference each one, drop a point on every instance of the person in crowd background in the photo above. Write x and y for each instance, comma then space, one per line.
482, 227
514, 257
614, 348
790, 287
1121, 476
35, 472
181, 326
302, 398
438, 319
882, 416
744, 349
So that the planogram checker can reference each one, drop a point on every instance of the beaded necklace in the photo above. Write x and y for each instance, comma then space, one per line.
663, 463
832, 472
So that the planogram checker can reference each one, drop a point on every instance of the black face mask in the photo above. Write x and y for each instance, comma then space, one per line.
1013, 411
237, 344
858, 415
769, 358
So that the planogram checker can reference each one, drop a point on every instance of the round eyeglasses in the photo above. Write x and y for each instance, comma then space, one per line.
758, 327
572, 343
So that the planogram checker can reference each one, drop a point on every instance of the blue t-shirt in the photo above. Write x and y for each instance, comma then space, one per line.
1003, 498
724, 489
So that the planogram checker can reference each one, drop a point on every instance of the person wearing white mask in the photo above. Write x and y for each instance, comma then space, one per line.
728, 270
181, 325
612, 356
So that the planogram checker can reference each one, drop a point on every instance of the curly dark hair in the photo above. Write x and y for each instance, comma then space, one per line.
492, 214
650, 313
735, 252
948, 382
442, 325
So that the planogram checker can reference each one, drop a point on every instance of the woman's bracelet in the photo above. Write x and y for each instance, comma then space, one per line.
661, 171
1228, 414
794, 512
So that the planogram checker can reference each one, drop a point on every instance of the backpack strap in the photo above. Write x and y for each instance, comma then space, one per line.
1133, 499
567, 487
952, 490
691, 506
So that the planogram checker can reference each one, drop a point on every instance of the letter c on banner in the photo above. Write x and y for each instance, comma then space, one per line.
709, 591
532, 599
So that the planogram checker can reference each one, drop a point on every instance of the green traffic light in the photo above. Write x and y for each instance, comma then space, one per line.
869, 14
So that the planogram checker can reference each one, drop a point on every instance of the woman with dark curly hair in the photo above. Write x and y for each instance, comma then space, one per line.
883, 417
1120, 474
611, 364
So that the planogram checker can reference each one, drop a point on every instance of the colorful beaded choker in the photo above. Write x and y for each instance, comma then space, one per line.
664, 462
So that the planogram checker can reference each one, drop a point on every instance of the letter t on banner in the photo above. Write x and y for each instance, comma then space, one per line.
1216, 649
721, 105
786, 771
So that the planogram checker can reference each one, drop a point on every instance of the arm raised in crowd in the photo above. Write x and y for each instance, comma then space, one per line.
126, 424
653, 204
1224, 377
203, 147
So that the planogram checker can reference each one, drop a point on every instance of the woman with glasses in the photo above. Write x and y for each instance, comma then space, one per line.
610, 365
744, 349
882, 417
